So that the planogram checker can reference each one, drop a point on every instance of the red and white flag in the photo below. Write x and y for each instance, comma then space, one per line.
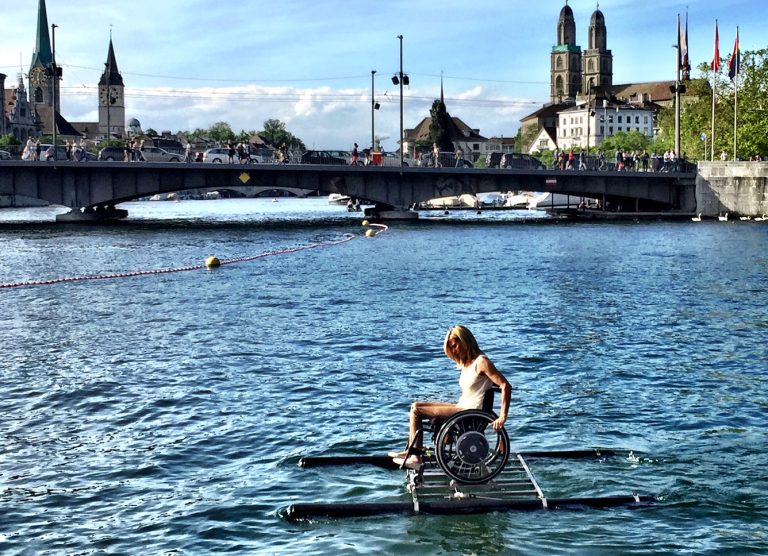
715, 65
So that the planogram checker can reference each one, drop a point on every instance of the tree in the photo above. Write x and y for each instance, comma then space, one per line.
151, 132
696, 111
632, 141
276, 134
221, 132
441, 126
9, 141
525, 138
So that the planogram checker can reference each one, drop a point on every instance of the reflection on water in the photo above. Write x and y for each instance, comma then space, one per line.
166, 413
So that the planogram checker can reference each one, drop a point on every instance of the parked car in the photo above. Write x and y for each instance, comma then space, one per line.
393, 159
521, 161
46, 152
112, 154
220, 155
5, 155
447, 160
338, 158
156, 154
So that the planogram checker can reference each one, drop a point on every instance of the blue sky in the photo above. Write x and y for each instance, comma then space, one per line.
191, 63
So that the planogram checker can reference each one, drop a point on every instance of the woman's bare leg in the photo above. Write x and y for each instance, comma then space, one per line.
428, 410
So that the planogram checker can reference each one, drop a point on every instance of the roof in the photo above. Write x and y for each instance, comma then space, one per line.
43, 55
655, 90
548, 110
111, 75
566, 48
63, 127
460, 131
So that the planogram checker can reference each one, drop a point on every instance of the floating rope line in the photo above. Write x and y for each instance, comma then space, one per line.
345, 239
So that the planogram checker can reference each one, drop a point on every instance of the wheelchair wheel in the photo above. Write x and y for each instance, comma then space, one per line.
469, 450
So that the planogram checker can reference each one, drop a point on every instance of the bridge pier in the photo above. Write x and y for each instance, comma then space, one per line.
387, 212
99, 213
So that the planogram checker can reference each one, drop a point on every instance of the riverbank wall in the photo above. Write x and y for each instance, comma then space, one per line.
734, 187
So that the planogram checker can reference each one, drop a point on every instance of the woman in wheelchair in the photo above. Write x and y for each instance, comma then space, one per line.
478, 375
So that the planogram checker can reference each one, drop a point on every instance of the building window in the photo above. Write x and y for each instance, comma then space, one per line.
602, 130
476, 147
619, 119
646, 120
610, 119
38, 95
637, 119
610, 130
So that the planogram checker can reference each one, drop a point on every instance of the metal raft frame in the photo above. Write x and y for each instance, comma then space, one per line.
469, 468
434, 492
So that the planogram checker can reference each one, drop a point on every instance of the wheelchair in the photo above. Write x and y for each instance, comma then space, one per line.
465, 446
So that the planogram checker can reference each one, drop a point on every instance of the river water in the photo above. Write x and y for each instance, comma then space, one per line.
166, 413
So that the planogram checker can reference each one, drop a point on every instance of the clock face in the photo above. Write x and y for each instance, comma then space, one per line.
109, 95
37, 76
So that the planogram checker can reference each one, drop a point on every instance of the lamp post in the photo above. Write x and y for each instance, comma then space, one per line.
401, 99
55, 76
108, 98
678, 86
373, 111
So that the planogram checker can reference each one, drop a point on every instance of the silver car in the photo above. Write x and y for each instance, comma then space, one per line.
156, 154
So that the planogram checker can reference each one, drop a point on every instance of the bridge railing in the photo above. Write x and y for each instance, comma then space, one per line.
652, 165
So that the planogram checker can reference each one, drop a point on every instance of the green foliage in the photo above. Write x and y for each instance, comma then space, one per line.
525, 139
632, 141
221, 132
9, 141
151, 132
276, 134
440, 126
110, 143
696, 112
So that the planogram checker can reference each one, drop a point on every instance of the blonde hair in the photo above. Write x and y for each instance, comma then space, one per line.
467, 350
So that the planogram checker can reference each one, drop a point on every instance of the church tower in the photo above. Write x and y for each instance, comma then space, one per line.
598, 60
40, 75
111, 98
566, 60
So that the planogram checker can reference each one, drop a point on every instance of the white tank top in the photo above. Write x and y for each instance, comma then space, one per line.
473, 386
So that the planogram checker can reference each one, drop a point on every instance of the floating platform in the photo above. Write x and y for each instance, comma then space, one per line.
434, 492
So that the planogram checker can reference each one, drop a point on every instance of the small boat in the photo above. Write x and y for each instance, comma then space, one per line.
723, 217
338, 199
743, 218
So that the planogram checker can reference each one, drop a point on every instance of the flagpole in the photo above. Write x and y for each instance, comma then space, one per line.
677, 90
735, 103
735, 61
715, 66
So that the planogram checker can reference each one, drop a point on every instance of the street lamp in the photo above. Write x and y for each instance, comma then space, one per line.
678, 88
55, 72
374, 107
107, 69
401, 79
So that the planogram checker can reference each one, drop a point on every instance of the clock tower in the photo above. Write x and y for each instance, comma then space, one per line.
40, 70
111, 98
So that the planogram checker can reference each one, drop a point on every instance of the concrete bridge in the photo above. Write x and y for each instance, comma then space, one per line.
93, 189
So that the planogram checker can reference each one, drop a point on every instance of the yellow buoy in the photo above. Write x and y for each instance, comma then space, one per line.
212, 262
370, 233
365, 222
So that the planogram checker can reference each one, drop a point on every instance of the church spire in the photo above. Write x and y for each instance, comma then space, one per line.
111, 75
442, 97
42, 55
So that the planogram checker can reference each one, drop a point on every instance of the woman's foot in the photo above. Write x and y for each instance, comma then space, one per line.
411, 463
